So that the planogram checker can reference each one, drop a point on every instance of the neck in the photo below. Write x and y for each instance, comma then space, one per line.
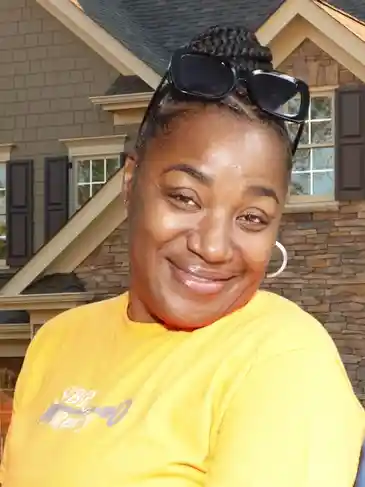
137, 311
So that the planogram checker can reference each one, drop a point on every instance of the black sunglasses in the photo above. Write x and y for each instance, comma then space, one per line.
207, 77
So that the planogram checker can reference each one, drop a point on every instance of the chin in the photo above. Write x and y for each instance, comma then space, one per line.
181, 308
190, 315
180, 323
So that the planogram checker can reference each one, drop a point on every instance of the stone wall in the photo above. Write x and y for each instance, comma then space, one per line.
326, 271
326, 276
105, 271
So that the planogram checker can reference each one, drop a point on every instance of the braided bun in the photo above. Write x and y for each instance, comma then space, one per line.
237, 44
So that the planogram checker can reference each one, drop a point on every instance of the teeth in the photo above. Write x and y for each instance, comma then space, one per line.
202, 279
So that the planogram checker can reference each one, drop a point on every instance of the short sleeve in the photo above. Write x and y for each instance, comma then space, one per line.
29, 379
293, 420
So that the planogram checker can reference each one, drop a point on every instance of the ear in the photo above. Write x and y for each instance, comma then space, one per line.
130, 166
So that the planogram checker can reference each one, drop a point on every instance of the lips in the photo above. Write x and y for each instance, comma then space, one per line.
200, 280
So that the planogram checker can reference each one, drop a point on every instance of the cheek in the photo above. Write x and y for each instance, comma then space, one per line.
155, 221
256, 249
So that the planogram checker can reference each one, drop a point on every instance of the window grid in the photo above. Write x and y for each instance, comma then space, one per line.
3, 232
310, 146
93, 185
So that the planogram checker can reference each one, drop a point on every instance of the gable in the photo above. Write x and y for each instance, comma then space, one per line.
330, 29
312, 64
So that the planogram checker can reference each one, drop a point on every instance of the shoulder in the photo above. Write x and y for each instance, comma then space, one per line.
283, 326
290, 345
76, 322
59, 341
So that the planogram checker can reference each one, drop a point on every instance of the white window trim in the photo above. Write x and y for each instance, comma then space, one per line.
5, 154
90, 148
297, 202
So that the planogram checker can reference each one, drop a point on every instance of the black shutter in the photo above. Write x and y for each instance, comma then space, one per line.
56, 205
19, 210
350, 143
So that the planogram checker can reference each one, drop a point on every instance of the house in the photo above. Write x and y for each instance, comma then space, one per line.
75, 79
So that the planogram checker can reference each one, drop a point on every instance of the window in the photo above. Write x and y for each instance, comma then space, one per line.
92, 174
94, 161
2, 211
313, 169
5, 151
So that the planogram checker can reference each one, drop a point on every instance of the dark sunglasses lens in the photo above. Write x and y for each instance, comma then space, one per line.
277, 95
202, 76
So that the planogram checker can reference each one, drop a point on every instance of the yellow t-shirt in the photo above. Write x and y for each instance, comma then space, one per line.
260, 398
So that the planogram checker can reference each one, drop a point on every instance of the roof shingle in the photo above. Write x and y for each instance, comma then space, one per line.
152, 29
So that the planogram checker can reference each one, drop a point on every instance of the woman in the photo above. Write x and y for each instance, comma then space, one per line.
194, 378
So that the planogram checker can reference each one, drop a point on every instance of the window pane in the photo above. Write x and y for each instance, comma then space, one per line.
302, 160
321, 107
305, 135
2, 237
300, 184
321, 132
2, 176
112, 166
293, 130
98, 172
323, 183
3, 249
324, 158
2, 202
95, 188
83, 171
2, 226
83, 194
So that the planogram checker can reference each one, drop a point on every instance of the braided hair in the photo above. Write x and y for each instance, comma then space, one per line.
242, 48
238, 45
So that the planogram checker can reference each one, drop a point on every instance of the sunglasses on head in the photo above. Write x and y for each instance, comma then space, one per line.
212, 78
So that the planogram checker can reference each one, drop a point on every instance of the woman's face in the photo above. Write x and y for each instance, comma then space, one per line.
204, 215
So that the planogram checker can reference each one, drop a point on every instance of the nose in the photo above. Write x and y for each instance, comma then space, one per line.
211, 239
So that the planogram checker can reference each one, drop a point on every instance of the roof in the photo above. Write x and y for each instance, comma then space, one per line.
116, 19
152, 29
356, 26
356, 8
126, 85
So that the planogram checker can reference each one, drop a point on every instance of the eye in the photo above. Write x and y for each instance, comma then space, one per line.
252, 221
183, 201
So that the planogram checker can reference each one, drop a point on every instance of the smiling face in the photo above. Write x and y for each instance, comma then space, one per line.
204, 214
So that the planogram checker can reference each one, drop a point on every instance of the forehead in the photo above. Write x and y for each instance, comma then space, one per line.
221, 141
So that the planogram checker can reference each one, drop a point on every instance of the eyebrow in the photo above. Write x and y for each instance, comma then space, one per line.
208, 180
191, 171
263, 191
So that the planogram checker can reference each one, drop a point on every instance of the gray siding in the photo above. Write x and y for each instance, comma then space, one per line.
46, 77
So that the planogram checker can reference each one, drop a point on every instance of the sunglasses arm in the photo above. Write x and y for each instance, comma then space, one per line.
297, 138
153, 102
